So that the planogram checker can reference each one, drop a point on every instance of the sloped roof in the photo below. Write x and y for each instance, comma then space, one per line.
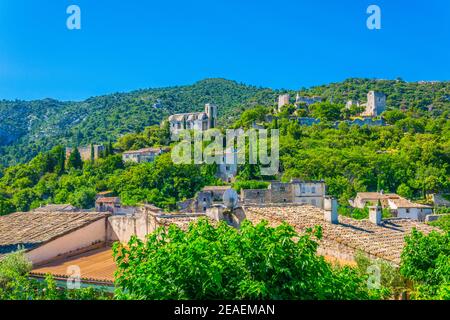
108, 200
32, 229
384, 241
216, 188
405, 203
188, 116
96, 266
376, 195
180, 220
55, 207
146, 150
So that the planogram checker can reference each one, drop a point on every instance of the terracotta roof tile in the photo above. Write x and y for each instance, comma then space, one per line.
96, 266
385, 241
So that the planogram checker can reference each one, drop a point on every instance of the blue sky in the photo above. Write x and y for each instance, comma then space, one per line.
127, 45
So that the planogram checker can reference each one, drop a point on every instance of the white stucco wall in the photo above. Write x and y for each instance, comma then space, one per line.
79, 239
121, 228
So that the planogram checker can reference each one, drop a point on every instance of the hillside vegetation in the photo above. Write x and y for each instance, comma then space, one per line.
29, 127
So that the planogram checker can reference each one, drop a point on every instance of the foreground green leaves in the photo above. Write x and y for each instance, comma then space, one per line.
256, 262
426, 261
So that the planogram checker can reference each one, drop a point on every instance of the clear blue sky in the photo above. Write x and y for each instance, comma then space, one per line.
130, 44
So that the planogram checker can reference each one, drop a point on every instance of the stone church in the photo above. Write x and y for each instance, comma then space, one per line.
201, 121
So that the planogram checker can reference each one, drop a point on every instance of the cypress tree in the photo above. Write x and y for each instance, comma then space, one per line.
75, 161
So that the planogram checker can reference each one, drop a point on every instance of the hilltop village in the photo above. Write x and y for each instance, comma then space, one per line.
58, 235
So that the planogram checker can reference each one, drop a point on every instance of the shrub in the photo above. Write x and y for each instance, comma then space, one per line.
255, 262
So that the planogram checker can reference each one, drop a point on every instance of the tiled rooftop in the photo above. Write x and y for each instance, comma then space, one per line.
181, 220
385, 241
32, 229
96, 266
56, 207
216, 188
108, 200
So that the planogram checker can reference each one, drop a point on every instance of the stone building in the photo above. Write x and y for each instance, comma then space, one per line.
351, 103
143, 155
201, 121
227, 169
376, 104
398, 206
306, 100
209, 196
86, 152
296, 191
282, 101
113, 205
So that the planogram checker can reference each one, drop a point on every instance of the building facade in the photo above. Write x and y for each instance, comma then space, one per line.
143, 155
398, 206
209, 196
283, 100
91, 152
227, 169
306, 100
200, 121
376, 104
296, 191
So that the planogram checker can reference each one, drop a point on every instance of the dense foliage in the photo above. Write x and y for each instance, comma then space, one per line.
30, 127
410, 157
426, 261
255, 262
442, 223
45, 180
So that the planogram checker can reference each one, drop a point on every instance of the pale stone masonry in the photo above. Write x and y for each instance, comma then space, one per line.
143, 155
200, 121
86, 152
400, 207
296, 191
376, 104
282, 101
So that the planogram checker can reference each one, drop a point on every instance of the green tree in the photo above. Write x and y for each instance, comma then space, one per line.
255, 262
74, 161
426, 261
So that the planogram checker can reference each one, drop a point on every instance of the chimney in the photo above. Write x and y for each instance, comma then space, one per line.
375, 214
215, 212
330, 206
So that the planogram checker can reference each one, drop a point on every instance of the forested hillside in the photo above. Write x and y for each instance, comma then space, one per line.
29, 127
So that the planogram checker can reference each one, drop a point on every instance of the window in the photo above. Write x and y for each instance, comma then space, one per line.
313, 189
204, 209
204, 199
407, 210
313, 202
